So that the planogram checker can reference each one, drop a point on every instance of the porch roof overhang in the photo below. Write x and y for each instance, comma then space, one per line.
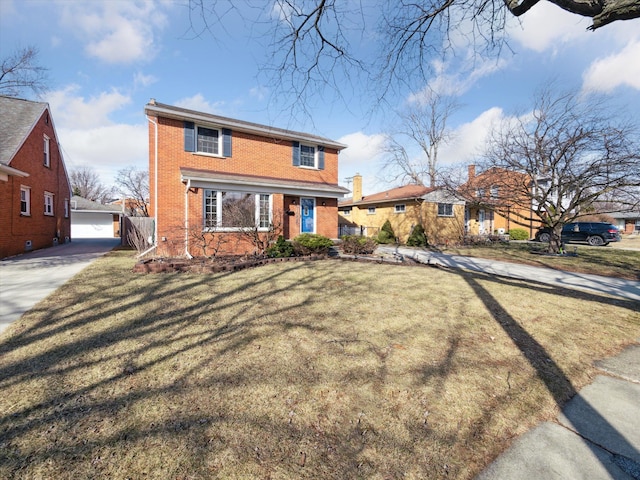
6, 171
255, 184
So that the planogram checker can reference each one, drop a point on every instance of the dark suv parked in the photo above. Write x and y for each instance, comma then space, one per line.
594, 233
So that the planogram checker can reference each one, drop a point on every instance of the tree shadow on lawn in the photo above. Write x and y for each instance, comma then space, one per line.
556, 381
226, 330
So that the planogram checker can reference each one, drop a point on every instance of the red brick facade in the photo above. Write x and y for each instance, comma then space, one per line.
35, 229
260, 163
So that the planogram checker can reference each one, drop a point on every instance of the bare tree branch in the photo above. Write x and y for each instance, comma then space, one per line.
21, 72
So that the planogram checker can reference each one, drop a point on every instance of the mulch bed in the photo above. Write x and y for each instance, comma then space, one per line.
235, 263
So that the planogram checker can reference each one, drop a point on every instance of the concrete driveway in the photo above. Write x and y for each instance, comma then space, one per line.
26, 279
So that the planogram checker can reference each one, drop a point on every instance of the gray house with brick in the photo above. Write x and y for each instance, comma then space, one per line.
35, 191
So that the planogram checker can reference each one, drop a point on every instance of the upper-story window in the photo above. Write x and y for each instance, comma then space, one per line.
47, 159
48, 203
400, 208
25, 201
479, 192
66, 208
493, 192
371, 211
309, 156
346, 211
207, 140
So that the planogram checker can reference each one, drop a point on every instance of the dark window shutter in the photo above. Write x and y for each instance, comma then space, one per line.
226, 142
189, 137
296, 154
320, 157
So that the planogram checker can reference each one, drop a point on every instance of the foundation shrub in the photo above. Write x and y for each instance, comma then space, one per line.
311, 243
386, 235
417, 238
518, 234
356, 245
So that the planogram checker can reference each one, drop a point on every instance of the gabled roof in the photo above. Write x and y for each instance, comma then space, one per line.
17, 119
81, 204
407, 192
170, 111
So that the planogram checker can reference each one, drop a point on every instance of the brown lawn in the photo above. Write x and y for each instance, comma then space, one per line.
321, 369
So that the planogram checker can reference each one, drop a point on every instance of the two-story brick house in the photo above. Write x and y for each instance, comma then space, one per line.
496, 202
212, 176
34, 185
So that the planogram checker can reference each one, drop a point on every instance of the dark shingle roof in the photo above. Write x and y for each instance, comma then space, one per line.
81, 204
164, 110
17, 119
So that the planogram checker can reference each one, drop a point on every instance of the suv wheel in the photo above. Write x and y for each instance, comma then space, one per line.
544, 237
595, 241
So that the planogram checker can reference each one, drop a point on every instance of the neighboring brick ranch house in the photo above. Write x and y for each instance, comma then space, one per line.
495, 202
439, 212
34, 185
212, 177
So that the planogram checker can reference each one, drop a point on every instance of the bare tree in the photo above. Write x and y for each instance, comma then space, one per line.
20, 72
85, 182
134, 185
423, 123
568, 153
311, 40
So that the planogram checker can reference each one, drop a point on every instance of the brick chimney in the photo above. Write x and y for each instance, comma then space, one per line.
357, 187
472, 172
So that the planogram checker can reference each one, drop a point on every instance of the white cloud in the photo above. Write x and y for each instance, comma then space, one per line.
259, 93
106, 149
546, 26
69, 109
200, 104
142, 80
469, 138
116, 32
622, 68
89, 137
362, 156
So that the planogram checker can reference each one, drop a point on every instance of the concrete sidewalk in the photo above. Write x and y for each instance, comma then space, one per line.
618, 287
597, 434
28, 278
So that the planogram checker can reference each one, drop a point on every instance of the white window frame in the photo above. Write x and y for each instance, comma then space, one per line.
217, 153
27, 200
47, 151
48, 204
445, 207
399, 208
371, 211
218, 212
314, 158
66, 208
493, 192
346, 211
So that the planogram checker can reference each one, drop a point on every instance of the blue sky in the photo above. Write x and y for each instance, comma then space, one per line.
107, 58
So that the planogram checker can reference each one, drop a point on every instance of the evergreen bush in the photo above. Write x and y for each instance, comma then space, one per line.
311, 243
417, 237
518, 234
386, 235
280, 249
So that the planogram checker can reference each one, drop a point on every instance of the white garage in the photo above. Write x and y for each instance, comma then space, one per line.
93, 220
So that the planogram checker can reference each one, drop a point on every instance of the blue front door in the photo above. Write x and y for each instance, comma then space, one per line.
307, 207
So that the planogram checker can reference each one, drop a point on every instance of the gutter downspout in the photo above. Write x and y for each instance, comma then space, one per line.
155, 189
186, 219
